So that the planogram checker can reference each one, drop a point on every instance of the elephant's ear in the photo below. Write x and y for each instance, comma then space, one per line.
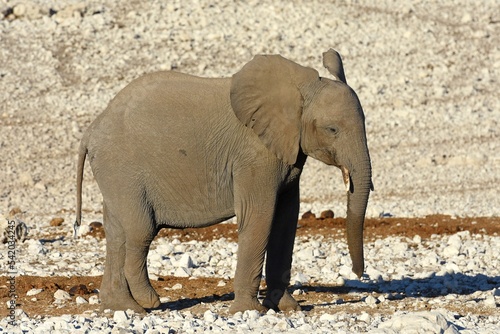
265, 96
333, 63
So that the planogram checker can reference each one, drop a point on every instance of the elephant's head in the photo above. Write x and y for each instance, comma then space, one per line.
292, 109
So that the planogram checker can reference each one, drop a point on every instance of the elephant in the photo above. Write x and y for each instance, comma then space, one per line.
173, 150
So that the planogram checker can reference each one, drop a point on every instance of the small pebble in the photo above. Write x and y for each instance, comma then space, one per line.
81, 300
370, 300
80, 289
93, 300
177, 286
326, 214
33, 292
182, 272
61, 295
120, 317
209, 316
56, 221
365, 317
308, 215
490, 301
327, 317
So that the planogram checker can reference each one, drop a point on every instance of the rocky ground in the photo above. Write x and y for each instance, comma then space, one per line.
427, 74
437, 273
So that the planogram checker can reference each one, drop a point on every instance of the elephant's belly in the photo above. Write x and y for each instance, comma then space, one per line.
190, 202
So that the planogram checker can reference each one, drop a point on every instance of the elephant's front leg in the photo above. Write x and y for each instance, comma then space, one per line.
279, 252
255, 213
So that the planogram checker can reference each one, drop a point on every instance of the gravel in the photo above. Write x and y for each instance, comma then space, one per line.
411, 271
427, 74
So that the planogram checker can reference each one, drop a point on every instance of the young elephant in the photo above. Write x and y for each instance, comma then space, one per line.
175, 150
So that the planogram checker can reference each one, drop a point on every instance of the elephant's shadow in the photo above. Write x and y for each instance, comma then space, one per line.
399, 289
182, 304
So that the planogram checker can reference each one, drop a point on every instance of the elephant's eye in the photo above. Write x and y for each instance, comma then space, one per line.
332, 130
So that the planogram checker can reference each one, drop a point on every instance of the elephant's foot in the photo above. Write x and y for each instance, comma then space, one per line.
242, 305
115, 294
142, 290
279, 300
120, 303
148, 299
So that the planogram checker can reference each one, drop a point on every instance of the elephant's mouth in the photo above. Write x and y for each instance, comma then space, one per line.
346, 178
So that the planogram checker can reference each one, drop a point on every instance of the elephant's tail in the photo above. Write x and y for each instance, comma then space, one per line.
82, 154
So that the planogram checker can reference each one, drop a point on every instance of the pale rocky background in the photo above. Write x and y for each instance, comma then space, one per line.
426, 72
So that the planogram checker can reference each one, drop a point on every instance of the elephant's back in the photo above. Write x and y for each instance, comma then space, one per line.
162, 104
169, 93
167, 133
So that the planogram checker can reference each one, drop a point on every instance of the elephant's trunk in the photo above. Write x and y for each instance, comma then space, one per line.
359, 184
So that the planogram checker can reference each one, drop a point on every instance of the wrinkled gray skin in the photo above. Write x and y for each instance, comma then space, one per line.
175, 150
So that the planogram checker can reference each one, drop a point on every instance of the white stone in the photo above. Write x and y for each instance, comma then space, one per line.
370, 300
94, 299
327, 317
185, 261
270, 312
466, 18
61, 325
455, 240
83, 229
177, 286
373, 273
305, 254
365, 317
301, 278
209, 316
182, 272
420, 322
81, 300
451, 251
490, 301
20, 10
61, 295
26, 179
120, 317
283, 325
252, 315
33, 292
400, 247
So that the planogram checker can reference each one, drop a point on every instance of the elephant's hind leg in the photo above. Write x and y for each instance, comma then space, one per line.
139, 235
114, 292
